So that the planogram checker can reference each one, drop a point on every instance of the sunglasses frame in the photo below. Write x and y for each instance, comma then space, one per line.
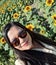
16, 41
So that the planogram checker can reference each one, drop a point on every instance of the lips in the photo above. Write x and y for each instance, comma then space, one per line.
25, 43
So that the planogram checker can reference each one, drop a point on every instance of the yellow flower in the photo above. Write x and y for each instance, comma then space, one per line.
30, 27
27, 8
49, 2
5, 5
2, 11
42, 32
2, 40
15, 15
0, 8
9, 9
54, 23
54, 17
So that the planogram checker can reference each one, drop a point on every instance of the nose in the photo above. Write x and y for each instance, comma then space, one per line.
21, 40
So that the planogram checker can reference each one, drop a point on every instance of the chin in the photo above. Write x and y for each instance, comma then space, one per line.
28, 48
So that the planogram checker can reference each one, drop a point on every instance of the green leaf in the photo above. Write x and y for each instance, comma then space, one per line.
29, 15
47, 10
1, 45
54, 30
6, 47
54, 8
0, 34
43, 1
11, 52
50, 20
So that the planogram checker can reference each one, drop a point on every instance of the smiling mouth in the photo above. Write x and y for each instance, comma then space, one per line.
25, 43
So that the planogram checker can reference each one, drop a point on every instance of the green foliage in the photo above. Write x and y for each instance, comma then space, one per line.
38, 13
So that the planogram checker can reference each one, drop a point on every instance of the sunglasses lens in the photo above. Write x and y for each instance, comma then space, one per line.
23, 34
16, 42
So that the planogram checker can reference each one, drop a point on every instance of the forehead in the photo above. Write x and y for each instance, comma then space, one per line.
12, 33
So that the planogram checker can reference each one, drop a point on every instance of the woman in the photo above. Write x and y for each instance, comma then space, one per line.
31, 48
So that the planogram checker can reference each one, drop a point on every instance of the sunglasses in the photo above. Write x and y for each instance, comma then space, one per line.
21, 34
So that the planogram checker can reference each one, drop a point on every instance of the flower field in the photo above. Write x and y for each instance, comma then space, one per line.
37, 15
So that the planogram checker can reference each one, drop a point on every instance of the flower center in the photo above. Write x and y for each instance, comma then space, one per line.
54, 17
49, 1
27, 8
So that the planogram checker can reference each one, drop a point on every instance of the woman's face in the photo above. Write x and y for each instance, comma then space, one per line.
19, 38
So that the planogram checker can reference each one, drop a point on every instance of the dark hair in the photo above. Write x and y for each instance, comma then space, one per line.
35, 36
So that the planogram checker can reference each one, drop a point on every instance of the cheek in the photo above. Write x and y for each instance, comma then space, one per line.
29, 38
